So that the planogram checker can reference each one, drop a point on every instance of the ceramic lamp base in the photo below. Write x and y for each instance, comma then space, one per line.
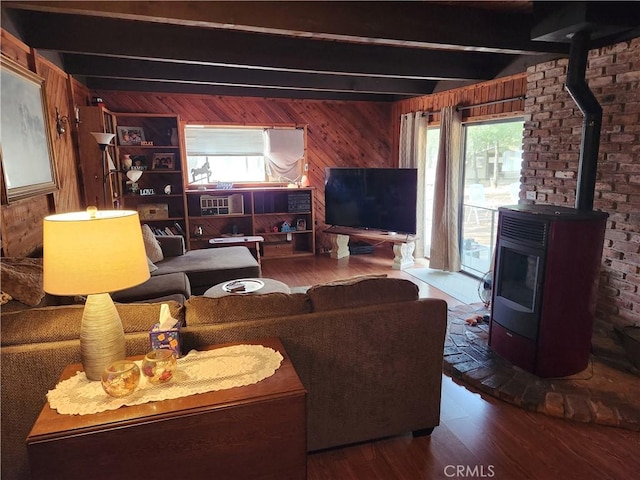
101, 335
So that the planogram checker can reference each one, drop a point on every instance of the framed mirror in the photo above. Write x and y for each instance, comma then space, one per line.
26, 151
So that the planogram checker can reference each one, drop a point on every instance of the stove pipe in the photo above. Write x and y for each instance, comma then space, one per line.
592, 111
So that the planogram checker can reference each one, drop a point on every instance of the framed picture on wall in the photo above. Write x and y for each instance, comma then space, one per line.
163, 161
28, 163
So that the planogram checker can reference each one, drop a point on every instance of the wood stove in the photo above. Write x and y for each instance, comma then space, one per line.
544, 289
548, 257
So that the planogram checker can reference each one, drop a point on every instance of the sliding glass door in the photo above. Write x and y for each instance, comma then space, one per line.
492, 164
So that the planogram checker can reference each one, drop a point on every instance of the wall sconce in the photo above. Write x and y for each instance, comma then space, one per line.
61, 123
63, 120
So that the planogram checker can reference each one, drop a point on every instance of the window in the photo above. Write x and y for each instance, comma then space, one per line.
492, 164
244, 154
225, 154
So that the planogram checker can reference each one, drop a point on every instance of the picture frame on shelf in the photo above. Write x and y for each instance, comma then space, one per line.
163, 161
139, 162
130, 135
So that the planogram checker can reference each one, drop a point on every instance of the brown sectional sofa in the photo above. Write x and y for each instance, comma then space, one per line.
368, 351
203, 269
179, 275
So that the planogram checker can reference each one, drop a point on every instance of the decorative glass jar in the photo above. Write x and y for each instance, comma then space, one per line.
120, 378
158, 366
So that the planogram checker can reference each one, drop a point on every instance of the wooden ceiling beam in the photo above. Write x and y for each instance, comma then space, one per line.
427, 25
97, 84
106, 36
155, 71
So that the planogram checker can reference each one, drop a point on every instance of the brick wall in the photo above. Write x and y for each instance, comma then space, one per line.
553, 127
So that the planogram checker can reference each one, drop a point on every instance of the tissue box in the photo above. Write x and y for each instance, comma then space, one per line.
169, 339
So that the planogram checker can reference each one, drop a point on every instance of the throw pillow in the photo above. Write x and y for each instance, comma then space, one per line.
152, 266
22, 279
151, 245
5, 298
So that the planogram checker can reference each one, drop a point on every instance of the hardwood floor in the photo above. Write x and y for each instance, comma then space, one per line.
478, 436
303, 271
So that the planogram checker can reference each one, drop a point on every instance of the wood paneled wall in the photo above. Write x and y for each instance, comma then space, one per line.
354, 134
21, 222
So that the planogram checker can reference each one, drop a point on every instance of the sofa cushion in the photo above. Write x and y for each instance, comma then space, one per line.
50, 324
361, 291
234, 308
151, 245
172, 245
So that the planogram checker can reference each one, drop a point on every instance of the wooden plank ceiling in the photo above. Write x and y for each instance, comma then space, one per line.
373, 51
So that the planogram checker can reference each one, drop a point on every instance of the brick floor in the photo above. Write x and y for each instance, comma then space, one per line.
606, 393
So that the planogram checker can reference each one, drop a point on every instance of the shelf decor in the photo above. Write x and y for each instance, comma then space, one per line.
153, 211
130, 135
163, 161
138, 162
265, 212
219, 205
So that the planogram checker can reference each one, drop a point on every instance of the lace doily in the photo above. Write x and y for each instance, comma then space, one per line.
198, 372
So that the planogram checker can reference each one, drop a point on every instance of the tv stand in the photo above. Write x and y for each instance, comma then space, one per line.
403, 244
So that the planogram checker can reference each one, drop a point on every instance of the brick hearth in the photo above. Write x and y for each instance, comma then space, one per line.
606, 393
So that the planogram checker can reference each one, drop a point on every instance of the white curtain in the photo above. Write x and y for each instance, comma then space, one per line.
445, 245
413, 154
284, 148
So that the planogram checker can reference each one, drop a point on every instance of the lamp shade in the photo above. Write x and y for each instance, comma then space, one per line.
103, 138
86, 253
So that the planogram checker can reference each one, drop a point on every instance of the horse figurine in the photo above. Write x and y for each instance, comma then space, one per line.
200, 171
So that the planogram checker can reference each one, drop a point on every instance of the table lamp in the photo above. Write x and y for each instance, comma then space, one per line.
94, 253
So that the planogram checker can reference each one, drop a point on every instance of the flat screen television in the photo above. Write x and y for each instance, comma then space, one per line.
371, 198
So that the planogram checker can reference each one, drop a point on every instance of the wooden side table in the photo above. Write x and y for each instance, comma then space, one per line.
255, 431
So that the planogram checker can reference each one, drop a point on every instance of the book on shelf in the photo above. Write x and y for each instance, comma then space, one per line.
176, 229
179, 229
163, 231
